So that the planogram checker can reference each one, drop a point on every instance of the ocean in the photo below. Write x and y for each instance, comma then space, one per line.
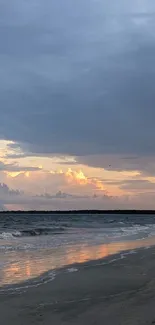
34, 246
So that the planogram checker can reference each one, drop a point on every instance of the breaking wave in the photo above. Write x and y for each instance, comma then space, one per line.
32, 232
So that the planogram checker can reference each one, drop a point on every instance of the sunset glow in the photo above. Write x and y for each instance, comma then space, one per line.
13, 174
113, 185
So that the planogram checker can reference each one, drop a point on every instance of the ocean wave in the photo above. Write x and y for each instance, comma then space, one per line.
6, 235
134, 230
32, 232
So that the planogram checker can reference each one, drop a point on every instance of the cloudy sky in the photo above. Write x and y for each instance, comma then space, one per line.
77, 104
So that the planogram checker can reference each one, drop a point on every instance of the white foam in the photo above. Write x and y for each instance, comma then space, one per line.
6, 235
134, 230
17, 234
51, 276
147, 247
130, 252
123, 255
72, 269
9, 235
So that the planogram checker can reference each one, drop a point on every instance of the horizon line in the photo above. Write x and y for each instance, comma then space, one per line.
85, 211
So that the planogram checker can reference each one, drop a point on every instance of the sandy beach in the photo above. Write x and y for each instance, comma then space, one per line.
110, 291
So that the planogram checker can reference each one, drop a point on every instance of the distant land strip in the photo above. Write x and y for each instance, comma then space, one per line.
79, 212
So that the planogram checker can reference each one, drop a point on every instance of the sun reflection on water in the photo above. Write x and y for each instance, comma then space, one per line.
32, 264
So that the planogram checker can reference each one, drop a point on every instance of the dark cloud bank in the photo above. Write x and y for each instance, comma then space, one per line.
14, 167
78, 77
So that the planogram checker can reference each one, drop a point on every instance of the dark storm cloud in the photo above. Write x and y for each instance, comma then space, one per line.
139, 185
16, 168
132, 184
145, 166
78, 77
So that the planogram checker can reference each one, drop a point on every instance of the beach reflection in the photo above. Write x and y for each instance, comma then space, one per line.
32, 264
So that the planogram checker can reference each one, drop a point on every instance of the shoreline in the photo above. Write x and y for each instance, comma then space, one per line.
122, 292
51, 274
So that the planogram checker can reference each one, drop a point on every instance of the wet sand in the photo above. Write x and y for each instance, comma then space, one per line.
119, 292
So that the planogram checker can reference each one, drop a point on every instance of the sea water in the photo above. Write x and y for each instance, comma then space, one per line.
32, 244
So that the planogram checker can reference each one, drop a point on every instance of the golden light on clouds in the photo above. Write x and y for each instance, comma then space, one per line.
67, 179
13, 174
77, 176
78, 179
3, 147
81, 179
35, 175
99, 185
27, 174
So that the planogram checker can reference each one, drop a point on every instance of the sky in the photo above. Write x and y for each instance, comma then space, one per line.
77, 104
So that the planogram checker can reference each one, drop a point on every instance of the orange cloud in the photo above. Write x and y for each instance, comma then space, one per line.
54, 180
78, 177
13, 174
